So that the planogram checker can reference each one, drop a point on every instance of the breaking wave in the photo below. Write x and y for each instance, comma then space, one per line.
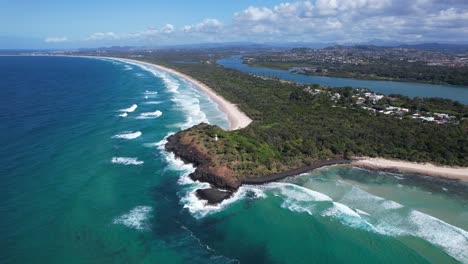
130, 109
150, 115
136, 218
129, 135
126, 161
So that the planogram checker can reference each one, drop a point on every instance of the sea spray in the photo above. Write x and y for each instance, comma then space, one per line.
126, 161
150, 115
130, 109
137, 218
128, 135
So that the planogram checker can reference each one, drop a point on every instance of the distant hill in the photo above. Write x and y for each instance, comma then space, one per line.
452, 48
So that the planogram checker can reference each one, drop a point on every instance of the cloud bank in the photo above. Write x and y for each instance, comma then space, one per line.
319, 21
55, 39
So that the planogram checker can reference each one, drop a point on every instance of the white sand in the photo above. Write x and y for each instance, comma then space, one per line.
236, 117
460, 173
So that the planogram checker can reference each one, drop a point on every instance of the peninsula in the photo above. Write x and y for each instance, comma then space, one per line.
283, 129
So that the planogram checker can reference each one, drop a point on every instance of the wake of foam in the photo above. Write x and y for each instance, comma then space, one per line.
303, 200
200, 208
393, 219
453, 239
150, 115
130, 109
126, 161
136, 218
186, 101
129, 135
153, 102
123, 115
127, 68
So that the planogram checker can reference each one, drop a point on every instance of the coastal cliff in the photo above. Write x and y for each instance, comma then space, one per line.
211, 166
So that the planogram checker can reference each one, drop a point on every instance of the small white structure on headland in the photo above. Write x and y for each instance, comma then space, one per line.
216, 137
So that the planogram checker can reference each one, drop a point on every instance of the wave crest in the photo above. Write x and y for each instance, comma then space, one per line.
130, 109
129, 135
126, 161
136, 218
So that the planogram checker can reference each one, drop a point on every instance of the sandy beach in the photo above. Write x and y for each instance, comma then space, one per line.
460, 173
237, 118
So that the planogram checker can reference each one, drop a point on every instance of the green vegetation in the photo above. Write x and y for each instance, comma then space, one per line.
293, 128
401, 71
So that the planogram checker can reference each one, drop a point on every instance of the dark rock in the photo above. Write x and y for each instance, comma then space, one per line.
221, 177
215, 176
281, 175
213, 195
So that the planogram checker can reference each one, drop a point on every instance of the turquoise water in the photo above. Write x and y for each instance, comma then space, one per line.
84, 183
412, 89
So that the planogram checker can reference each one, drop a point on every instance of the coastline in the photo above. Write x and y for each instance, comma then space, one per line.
294, 172
429, 169
237, 118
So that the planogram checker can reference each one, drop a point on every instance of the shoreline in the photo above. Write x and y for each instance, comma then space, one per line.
294, 172
400, 166
237, 119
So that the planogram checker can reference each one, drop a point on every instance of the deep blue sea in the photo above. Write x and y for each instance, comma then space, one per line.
84, 179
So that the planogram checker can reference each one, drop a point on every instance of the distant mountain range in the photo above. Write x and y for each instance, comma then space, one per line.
452, 48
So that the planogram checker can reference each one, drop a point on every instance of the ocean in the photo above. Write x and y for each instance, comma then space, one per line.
84, 178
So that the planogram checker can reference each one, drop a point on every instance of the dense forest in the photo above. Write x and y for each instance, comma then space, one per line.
292, 128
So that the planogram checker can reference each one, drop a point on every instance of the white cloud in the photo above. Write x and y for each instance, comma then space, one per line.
321, 21
103, 36
354, 20
167, 29
56, 39
208, 25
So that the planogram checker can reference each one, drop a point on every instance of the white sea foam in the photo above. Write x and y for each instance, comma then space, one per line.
123, 115
153, 102
389, 205
191, 106
136, 218
303, 200
150, 92
453, 239
173, 162
130, 109
200, 208
339, 209
150, 115
128, 68
394, 219
187, 101
126, 161
297, 192
361, 212
128, 135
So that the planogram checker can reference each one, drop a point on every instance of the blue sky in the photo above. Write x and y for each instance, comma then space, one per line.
86, 23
